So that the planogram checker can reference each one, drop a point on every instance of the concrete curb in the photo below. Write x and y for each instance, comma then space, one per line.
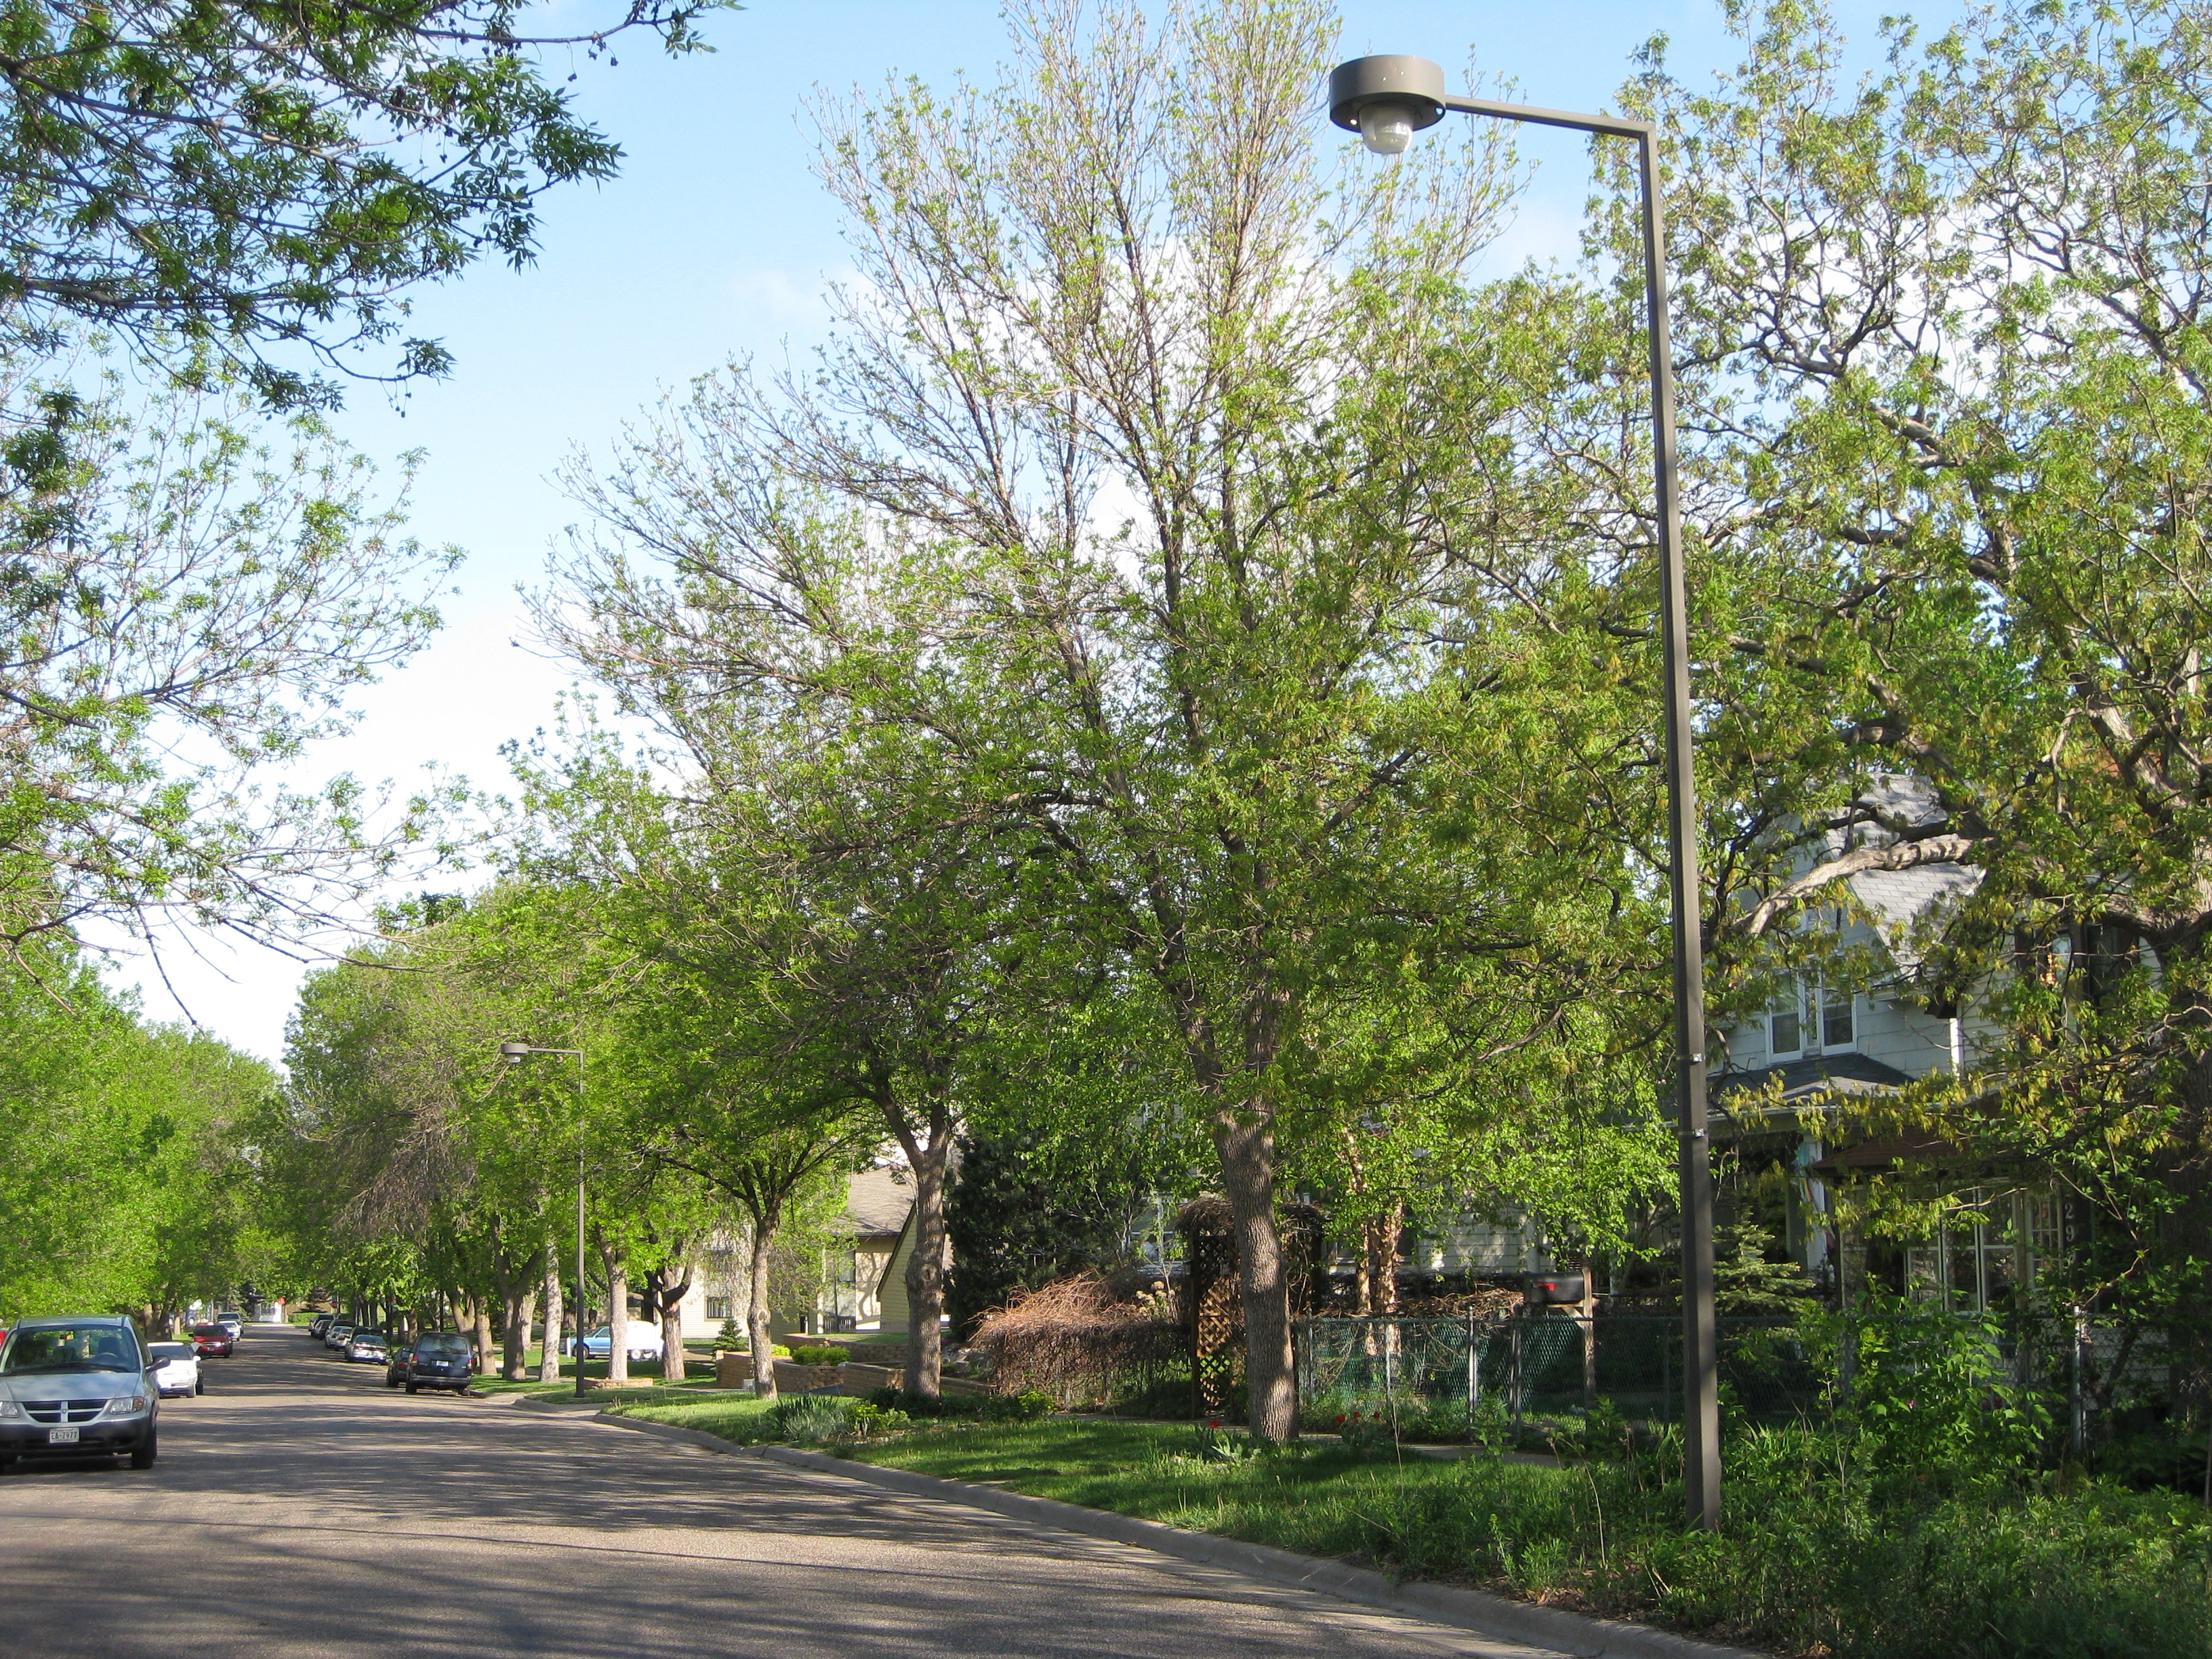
1478, 1611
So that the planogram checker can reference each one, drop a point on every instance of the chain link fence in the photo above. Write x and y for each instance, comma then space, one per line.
1444, 1375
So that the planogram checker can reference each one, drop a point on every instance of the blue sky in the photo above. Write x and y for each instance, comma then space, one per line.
714, 243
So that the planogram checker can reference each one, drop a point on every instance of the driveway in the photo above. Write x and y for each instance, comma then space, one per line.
300, 1508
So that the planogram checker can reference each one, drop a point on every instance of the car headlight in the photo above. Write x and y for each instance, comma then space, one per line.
126, 1405
9, 1408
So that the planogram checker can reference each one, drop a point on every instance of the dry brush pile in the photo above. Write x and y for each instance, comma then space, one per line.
1080, 1339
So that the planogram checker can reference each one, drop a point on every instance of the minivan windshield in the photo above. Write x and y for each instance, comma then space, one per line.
71, 1348
169, 1350
451, 1343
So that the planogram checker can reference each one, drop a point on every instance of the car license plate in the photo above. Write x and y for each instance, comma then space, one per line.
61, 1437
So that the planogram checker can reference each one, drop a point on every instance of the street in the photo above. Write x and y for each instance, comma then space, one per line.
299, 1508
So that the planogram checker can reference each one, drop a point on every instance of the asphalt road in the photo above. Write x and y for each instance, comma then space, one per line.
300, 1508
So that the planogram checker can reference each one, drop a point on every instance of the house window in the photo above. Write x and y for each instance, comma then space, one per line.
1811, 1017
1837, 1024
1785, 1025
1994, 1243
717, 1307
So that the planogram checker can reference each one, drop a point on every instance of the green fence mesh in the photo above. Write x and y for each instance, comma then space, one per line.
1542, 1364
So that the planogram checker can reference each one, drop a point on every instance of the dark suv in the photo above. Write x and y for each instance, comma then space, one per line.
73, 1386
439, 1359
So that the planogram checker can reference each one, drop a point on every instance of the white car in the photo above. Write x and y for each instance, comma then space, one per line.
644, 1342
175, 1368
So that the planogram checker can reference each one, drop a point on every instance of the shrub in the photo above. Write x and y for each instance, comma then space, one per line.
809, 1419
1925, 1389
1075, 1339
1216, 1442
1027, 1407
867, 1419
825, 1353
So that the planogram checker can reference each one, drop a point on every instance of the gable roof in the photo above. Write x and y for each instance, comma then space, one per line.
1806, 1083
1899, 899
877, 1202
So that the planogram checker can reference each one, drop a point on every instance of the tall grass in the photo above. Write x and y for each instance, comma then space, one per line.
1810, 1558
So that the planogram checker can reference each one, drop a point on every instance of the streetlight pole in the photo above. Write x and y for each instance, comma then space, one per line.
1386, 99
513, 1053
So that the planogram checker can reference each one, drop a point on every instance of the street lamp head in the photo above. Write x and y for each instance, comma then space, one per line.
513, 1052
1387, 99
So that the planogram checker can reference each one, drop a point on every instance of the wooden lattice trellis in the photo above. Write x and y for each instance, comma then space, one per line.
1214, 1307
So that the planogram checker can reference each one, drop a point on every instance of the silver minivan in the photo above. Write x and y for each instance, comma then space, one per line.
77, 1386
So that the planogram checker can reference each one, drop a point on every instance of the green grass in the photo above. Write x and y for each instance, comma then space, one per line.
736, 1418
701, 1378
1920, 1564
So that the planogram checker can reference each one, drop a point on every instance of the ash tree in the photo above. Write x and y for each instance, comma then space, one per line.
185, 603
1154, 522
1946, 330
236, 177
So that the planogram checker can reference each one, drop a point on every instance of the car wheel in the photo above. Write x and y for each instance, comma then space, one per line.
412, 1387
141, 1456
199, 1385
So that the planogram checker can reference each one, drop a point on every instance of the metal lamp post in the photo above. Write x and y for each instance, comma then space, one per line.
1387, 100
513, 1053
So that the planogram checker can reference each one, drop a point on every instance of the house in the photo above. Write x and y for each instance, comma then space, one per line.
1787, 1076
864, 1274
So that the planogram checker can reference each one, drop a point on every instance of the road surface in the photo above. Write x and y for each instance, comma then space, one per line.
299, 1509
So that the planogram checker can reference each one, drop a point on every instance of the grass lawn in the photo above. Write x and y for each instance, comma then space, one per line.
1919, 1565
700, 1378
738, 1417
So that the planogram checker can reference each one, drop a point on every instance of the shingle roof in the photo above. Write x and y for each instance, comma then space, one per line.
877, 1201
1898, 900
1805, 1081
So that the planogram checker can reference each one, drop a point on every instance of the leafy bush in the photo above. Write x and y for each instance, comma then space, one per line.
867, 1420
1027, 1407
822, 1354
1216, 1442
810, 1419
1914, 1389
1363, 1432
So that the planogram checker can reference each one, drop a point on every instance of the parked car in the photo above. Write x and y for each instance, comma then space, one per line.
74, 1386
213, 1342
320, 1323
176, 1368
336, 1336
438, 1360
643, 1341
367, 1345
231, 1320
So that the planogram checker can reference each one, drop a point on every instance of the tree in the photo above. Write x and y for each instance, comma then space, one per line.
264, 583
1155, 510
238, 177
1946, 326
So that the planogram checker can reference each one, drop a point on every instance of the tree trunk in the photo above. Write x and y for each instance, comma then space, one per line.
1247, 1178
549, 1357
671, 1327
477, 1309
617, 1318
1382, 1264
762, 1239
519, 1307
925, 1271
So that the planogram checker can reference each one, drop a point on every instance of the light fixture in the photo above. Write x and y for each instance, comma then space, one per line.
1386, 126
1386, 99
